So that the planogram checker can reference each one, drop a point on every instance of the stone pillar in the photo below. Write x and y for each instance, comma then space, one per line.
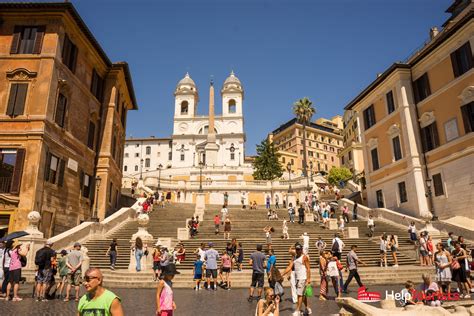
200, 204
147, 238
35, 240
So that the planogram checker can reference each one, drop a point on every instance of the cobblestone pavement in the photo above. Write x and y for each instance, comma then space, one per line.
189, 302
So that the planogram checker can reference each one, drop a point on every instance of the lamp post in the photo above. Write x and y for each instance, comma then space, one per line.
160, 166
429, 194
96, 209
141, 168
288, 167
201, 165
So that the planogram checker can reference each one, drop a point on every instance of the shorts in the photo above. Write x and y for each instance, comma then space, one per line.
74, 278
413, 236
14, 276
156, 265
216, 226
63, 278
424, 253
393, 249
44, 276
211, 272
225, 269
197, 277
383, 251
257, 279
300, 287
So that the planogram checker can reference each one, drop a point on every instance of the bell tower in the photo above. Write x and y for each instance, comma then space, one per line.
186, 98
232, 97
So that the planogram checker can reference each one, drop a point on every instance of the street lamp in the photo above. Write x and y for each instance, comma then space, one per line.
97, 186
141, 168
429, 194
160, 166
201, 165
288, 167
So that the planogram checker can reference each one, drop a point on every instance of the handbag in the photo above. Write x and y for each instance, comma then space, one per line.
455, 264
308, 291
23, 261
339, 265
279, 289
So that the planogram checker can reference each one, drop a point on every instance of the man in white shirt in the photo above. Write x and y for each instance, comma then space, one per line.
337, 246
224, 213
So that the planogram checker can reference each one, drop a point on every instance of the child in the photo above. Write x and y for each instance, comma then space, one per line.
226, 264
62, 269
197, 271
407, 294
165, 304
269, 214
285, 229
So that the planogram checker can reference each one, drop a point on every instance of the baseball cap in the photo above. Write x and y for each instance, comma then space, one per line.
298, 247
77, 244
210, 244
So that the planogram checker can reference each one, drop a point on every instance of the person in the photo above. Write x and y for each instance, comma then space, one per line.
156, 255
345, 212
225, 269
305, 238
6, 265
139, 248
271, 262
165, 304
226, 198
333, 272
268, 235
449, 242
270, 305
393, 245
14, 274
217, 222
383, 250
301, 214
412, 232
341, 225
428, 288
277, 201
267, 202
371, 226
323, 268
211, 256
459, 270
354, 212
168, 197
291, 212
191, 227
162, 200
443, 268
74, 263
284, 198
242, 200
98, 300
406, 297
197, 272
285, 229
43, 259
165, 259
303, 278
224, 212
254, 205
351, 262
424, 260
62, 269
112, 253
227, 228
240, 257
337, 246
180, 254
292, 277
466, 262
269, 214
430, 248
201, 251
257, 261
320, 245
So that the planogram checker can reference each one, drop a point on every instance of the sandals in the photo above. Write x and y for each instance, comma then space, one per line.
17, 299
66, 300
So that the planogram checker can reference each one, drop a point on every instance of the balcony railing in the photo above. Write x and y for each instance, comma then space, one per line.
5, 184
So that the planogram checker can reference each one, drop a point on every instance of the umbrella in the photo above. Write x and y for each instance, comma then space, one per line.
14, 235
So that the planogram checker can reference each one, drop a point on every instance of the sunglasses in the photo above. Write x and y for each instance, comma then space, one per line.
89, 278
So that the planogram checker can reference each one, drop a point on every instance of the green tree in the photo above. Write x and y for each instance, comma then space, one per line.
266, 164
304, 110
338, 174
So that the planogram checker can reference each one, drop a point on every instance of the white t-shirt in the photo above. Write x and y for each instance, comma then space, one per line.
370, 222
333, 271
202, 254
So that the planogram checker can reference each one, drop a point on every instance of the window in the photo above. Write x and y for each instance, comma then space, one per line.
292, 161
350, 155
137, 145
332, 159
402, 191
421, 88
325, 156
148, 150
16, 101
91, 136
375, 159
232, 156
461, 59
54, 171
429, 137
379, 196
126, 155
125, 168
438, 184
468, 117
170, 155
97, 85
283, 160
390, 102
86, 185
181, 157
184, 107
369, 117
232, 106
170, 144
11, 169
69, 54
342, 159
397, 150
61, 108
137, 155
147, 163
136, 168
27, 40
310, 153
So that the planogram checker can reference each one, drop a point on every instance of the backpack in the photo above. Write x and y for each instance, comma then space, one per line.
40, 257
335, 247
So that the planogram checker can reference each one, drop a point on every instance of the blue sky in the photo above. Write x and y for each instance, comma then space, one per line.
281, 50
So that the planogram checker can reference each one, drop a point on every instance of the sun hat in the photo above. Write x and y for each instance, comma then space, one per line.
170, 270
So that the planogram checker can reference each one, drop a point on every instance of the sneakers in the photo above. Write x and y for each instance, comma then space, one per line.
395, 265
309, 311
296, 313
467, 296
44, 299
250, 299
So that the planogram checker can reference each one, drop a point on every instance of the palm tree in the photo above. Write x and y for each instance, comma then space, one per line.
304, 110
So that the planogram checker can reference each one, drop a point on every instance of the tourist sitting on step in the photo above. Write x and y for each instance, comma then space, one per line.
180, 254
254, 205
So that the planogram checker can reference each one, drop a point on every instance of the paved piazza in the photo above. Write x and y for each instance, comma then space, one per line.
189, 302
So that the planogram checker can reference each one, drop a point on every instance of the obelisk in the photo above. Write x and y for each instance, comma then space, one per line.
211, 147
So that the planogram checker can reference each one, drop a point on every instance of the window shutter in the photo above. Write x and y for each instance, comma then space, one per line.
73, 58
91, 188
435, 135
20, 99
16, 40
466, 117
454, 62
39, 40
47, 166
17, 173
11, 99
62, 164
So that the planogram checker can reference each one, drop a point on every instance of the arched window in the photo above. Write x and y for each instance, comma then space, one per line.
184, 107
232, 106
203, 130
136, 168
124, 168
147, 163
148, 150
